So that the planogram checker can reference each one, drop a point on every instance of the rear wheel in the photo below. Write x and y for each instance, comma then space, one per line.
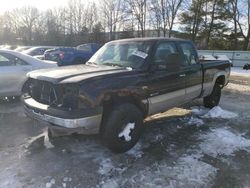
77, 61
123, 127
214, 98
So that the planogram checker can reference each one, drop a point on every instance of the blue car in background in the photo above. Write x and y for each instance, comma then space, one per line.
70, 55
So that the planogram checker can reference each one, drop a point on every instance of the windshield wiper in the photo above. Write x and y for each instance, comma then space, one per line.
112, 64
91, 63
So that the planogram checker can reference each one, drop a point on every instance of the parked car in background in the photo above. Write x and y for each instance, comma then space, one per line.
72, 56
37, 50
246, 66
13, 69
123, 83
207, 57
41, 57
22, 48
9, 47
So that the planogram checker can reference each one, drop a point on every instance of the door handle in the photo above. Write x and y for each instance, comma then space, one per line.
182, 75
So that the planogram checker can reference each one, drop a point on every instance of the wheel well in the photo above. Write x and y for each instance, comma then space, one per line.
115, 100
221, 80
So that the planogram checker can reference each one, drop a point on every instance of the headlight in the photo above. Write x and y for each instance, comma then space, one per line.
70, 96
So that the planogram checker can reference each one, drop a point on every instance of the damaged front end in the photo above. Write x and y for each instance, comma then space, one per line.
60, 105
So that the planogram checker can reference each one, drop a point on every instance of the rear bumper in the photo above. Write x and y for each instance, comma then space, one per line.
86, 125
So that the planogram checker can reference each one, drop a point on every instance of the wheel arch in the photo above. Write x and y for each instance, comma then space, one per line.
112, 100
221, 80
220, 77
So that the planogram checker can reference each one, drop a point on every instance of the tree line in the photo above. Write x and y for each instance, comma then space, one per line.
211, 24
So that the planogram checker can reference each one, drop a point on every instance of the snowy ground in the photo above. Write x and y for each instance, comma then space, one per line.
239, 71
184, 147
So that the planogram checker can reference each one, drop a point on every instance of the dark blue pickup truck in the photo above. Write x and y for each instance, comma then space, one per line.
123, 83
72, 56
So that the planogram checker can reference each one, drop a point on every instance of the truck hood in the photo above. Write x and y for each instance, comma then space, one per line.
73, 74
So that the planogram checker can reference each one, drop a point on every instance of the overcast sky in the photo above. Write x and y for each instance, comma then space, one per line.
40, 4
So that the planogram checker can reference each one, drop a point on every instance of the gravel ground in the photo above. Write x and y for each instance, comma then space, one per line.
183, 147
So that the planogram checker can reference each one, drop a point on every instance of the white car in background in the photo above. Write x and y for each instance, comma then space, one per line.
13, 69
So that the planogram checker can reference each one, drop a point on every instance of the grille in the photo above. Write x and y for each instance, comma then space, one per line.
44, 92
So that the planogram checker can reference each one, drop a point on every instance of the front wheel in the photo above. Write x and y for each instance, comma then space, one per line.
214, 98
123, 127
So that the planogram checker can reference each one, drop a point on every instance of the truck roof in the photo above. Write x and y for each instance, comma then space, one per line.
150, 39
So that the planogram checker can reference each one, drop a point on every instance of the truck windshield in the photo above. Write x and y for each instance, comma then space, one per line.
127, 55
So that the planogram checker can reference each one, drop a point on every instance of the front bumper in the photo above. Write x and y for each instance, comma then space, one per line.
85, 124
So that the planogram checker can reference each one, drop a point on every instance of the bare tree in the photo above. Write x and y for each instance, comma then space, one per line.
156, 16
243, 12
112, 11
27, 17
166, 11
75, 12
235, 17
193, 18
172, 8
91, 16
138, 9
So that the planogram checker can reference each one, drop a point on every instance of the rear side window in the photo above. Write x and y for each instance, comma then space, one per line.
189, 52
10, 60
162, 57
41, 51
5, 61
85, 48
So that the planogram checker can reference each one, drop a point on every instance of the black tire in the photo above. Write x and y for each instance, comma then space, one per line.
78, 61
213, 99
116, 121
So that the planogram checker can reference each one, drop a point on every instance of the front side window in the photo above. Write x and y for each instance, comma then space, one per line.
189, 53
129, 54
163, 57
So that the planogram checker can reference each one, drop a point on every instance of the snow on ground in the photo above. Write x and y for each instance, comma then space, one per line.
50, 184
8, 178
106, 166
239, 71
222, 141
195, 121
199, 110
136, 151
216, 112
239, 88
189, 170
111, 183
158, 138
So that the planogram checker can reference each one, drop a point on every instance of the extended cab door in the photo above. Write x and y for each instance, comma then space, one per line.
193, 70
166, 81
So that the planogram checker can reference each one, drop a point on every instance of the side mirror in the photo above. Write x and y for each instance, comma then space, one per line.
173, 62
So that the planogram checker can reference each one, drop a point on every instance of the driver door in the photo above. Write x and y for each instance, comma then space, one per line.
166, 85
